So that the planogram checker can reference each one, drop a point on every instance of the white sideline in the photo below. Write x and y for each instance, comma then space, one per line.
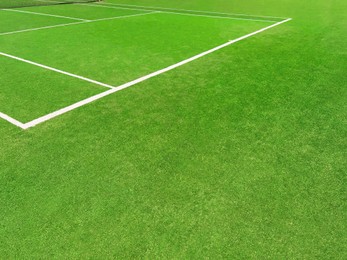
134, 82
84, 22
188, 14
43, 14
196, 11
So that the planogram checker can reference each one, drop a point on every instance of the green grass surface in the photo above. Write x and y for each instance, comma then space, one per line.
241, 154
29, 95
85, 11
118, 51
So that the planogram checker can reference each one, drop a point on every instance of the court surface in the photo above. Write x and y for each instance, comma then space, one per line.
173, 129
93, 50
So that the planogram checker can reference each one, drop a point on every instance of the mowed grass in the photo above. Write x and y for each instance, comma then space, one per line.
237, 155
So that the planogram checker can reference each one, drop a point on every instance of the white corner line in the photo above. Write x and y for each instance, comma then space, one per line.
187, 10
12, 120
83, 22
67, 109
44, 14
139, 80
115, 6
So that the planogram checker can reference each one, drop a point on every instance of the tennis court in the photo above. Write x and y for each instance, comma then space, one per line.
81, 52
173, 129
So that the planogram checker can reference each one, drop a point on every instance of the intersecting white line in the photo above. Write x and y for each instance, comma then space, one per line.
83, 22
55, 70
195, 11
12, 120
123, 16
126, 85
115, 6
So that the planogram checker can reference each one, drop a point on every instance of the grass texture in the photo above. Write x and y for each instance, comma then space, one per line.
241, 154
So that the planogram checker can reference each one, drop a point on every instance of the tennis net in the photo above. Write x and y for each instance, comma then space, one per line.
7, 4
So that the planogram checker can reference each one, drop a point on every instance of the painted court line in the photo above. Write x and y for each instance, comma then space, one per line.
56, 70
219, 17
69, 24
179, 13
124, 16
12, 120
43, 14
67, 109
134, 82
195, 11
40, 28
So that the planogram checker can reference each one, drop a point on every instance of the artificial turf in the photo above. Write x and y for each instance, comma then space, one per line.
241, 154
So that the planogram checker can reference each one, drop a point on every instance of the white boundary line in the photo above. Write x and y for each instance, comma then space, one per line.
40, 28
219, 17
126, 85
124, 16
84, 22
67, 109
181, 13
43, 14
196, 11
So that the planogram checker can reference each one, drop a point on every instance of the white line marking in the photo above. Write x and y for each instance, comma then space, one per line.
188, 14
68, 24
124, 16
12, 120
43, 14
56, 70
40, 28
139, 80
116, 7
196, 11
219, 17
67, 109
